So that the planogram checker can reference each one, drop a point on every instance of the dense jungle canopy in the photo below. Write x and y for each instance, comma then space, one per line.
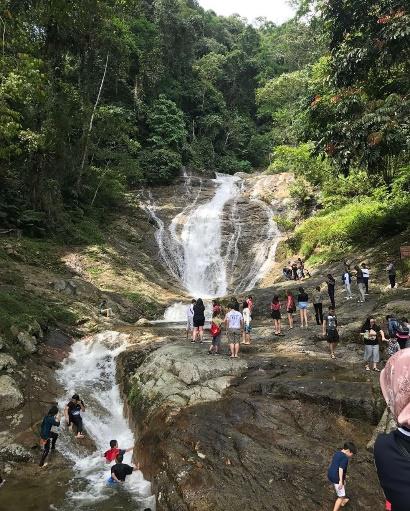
98, 97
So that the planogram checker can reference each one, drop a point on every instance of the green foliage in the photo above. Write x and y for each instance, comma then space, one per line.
303, 195
358, 223
166, 125
19, 308
160, 166
300, 161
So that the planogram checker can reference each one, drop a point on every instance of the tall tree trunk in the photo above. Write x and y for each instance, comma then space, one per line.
90, 128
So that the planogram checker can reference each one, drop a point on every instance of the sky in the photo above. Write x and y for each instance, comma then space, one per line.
274, 10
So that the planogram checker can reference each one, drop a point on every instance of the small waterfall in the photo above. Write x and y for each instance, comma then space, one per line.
90, 371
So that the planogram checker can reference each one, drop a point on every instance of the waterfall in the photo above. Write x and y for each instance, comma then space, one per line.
90, 371
212, 246
205, 272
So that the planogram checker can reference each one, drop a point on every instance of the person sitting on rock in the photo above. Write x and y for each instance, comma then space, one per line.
104, 310
120, 470
46, 435
72, 413
114, 451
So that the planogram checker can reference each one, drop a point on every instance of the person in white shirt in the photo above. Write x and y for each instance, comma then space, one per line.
366, 275
190, 319
234, 327
247, 318
347, 280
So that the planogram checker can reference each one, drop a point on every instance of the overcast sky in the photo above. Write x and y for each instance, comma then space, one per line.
275, 10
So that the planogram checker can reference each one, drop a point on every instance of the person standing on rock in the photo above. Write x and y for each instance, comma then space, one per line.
347, 281
276, 315
251, 304
247, 319
72, 413
391, 272
216, 332
331, 283
190, 318
303, 302
330, 330
360, 284
290, 307
199, 321
370, 332
318, 305
392, 450
366, 276
234, 327
337, 473
47, 436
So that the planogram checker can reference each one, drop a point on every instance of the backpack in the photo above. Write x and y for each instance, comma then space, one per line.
331, 322
350, 277
392, 326
215, 329
393, 347
402, 331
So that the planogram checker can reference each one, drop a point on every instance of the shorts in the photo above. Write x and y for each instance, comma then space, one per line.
292, 310
199, 322
276, 315
371, 353
234, 335
332, 336
342, 492
216, 341
303, 305
190, 324
248, 329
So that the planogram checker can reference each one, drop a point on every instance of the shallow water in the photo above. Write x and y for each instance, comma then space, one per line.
90, 371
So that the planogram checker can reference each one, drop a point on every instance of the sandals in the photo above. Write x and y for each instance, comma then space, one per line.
367, 368
375, 369
332, 355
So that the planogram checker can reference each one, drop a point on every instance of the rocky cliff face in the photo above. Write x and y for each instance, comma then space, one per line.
257, 435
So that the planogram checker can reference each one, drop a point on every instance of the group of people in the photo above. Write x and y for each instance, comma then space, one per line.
391, 450
295, 270
236, 323
72, 414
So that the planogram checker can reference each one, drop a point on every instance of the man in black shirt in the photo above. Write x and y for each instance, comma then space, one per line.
120, 470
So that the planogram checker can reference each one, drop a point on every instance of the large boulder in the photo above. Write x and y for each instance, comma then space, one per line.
27, 342
15, 453
143, 322
10, 395
6, 361
176, 376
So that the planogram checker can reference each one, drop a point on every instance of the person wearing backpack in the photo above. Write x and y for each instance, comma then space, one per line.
276, 315
360, 285
216, 332
247, 319
347, 280
402, 333
330, 330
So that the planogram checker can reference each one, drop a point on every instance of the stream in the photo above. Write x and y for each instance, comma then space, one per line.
90, 371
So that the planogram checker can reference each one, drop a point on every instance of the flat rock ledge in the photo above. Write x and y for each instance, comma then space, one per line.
176, 376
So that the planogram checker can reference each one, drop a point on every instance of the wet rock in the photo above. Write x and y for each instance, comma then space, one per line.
15, 453
143, 322
6, 361
1, 343
180, 375
27, 341
386, 425
10, 395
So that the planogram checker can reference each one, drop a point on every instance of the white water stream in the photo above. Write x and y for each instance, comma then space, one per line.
197, 254
90, 371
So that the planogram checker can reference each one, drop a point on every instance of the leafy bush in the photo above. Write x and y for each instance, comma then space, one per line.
160, 166
358, 223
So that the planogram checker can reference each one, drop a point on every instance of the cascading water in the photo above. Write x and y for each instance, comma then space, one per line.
205, 272
205, 243
90, 370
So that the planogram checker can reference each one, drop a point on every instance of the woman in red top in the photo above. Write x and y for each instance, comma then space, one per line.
275, 313
290, 307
